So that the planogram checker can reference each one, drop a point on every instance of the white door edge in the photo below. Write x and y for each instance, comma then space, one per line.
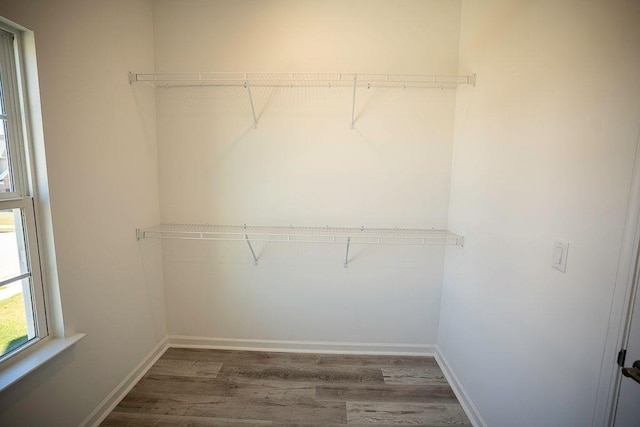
621, 304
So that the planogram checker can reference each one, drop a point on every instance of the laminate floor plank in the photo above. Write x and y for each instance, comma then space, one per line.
230, 387
304, 374
127, 419
204, 388
137, 403
187, 368
291, 410
239, 358
413, 376
376, 361
386, 393
180, 385
270, 389
407, 413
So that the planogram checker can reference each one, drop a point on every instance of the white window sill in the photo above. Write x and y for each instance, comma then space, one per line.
25, 365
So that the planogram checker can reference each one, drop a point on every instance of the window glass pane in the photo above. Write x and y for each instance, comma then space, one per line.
15, 316
13, 254
5, 173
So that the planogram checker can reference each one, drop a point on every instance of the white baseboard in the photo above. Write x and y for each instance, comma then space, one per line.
181, 341
111, 401
463, 397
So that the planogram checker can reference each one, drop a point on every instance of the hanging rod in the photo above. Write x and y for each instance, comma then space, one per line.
335, 235
300, 80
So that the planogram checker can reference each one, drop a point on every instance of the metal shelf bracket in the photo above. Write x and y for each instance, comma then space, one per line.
255, 259
139, 234
353, 103
247, 85
346, 257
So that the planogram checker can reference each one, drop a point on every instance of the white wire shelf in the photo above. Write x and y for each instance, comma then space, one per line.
252, 79
291, 234
362, 235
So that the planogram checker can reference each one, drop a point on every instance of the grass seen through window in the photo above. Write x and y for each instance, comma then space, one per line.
13, 328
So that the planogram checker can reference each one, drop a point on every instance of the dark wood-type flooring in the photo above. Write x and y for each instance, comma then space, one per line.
193, 387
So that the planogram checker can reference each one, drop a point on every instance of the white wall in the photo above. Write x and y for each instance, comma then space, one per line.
303, 165
102, 164
543, 150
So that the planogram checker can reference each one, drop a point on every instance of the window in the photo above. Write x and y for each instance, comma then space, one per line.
22, 297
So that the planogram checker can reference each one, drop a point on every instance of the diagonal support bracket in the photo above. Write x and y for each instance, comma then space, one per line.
247, 86
353, 103
346, 257
255, 259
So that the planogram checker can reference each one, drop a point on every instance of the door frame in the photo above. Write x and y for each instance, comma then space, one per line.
625, 290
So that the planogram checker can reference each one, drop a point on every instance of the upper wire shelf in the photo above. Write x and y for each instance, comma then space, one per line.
362, 235
252, 80
343, 235
244, 79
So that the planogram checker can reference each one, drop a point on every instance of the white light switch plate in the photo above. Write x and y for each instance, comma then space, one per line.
559, 255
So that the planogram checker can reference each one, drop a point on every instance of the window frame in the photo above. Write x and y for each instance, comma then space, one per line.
23, 195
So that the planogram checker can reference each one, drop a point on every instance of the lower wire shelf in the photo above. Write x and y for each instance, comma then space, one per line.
339, 235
